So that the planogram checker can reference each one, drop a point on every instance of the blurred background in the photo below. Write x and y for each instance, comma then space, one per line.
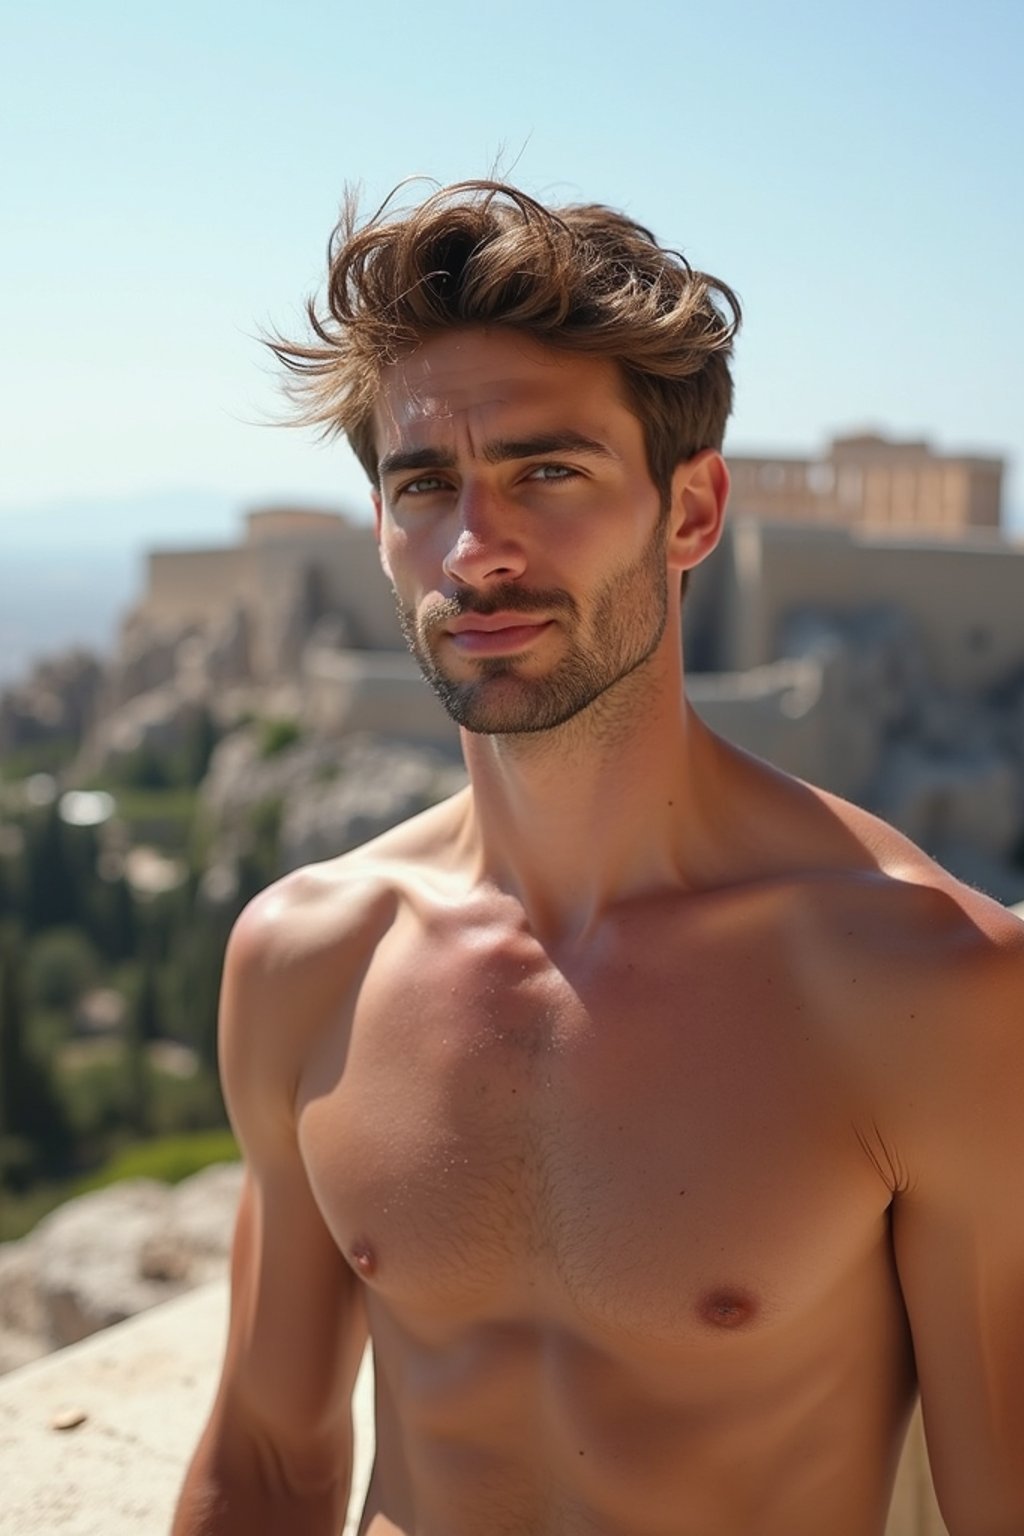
201, 680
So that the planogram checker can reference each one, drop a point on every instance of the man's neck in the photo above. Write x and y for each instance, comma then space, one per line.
618, 802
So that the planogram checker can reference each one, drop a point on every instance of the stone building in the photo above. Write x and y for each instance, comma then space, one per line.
869, 481
886, 669
295, 568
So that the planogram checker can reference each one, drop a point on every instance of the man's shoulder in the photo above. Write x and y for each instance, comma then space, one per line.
904, 896
322, 910
876, 891
924, 974
298, 950
882, 934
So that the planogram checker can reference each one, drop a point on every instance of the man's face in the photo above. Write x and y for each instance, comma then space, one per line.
520, 527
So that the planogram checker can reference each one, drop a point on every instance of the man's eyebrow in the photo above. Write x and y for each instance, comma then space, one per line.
504, 449
416, 458
500, 451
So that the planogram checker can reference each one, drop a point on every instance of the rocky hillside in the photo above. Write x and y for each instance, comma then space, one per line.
105, 1256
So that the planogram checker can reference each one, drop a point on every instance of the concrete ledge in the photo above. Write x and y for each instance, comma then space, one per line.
141, 1392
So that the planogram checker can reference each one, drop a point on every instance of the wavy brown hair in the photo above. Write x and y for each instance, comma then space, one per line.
480, 253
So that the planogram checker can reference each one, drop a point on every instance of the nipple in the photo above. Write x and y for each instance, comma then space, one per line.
727, 1309
364, 1259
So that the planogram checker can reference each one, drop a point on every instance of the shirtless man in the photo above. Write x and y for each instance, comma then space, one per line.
657, 1115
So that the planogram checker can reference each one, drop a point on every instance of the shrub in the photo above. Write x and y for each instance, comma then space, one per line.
277, 735
169, 1159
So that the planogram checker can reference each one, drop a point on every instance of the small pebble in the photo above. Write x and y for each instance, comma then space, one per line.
68, 1418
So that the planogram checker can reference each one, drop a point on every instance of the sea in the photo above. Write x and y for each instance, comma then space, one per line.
50, 602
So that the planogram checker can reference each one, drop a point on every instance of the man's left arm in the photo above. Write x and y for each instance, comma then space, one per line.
958, 1227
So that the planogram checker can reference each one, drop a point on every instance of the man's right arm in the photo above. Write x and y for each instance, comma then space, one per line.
276, 1454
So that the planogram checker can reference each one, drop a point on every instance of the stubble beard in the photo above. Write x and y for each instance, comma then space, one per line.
629, 616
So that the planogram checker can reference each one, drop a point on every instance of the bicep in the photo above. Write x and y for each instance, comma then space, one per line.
958, 1230
961, 1269
297, 1326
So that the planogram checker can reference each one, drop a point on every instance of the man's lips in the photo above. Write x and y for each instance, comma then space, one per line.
494, 633
488, 622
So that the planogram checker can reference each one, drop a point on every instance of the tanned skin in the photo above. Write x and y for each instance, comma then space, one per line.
659, 1116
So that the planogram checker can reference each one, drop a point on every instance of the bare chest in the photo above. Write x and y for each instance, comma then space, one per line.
655, 1142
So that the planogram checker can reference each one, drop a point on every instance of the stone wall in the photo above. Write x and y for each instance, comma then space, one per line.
285, 585
965, 599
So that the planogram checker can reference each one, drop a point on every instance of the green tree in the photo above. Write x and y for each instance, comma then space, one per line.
7, 884
51, 894
197, 749
145, 768
142, 1028
196, 965
62, 964
15, 1152
260, 861
111, 918
34, 1132
148, 1011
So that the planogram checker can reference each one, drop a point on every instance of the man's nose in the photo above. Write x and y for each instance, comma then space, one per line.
486, 546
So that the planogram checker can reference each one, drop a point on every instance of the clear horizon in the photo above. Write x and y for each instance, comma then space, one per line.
171, 180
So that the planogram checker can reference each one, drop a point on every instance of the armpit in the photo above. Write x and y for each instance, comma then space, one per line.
884, 1157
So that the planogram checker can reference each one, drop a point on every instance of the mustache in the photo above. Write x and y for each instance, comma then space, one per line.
504, 599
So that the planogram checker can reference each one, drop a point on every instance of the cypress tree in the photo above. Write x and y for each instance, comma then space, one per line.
14, 1066
111, 918
142, 1027
148, 1022
200, 740
35, 1133
51, 895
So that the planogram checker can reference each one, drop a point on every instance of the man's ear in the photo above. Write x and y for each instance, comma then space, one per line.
700, 490
378, 513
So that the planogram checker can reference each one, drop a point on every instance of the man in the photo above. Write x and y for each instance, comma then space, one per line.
657, 1115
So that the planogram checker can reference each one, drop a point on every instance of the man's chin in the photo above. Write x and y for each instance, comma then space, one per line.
490, 716
505, 706
501, 704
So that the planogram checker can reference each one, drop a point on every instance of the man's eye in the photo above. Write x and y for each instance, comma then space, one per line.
552, 472
423, 486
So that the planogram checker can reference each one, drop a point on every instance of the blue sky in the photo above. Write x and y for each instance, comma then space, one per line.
171, 173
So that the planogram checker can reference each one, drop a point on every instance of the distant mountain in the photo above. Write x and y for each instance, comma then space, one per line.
70, 569
49, 602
